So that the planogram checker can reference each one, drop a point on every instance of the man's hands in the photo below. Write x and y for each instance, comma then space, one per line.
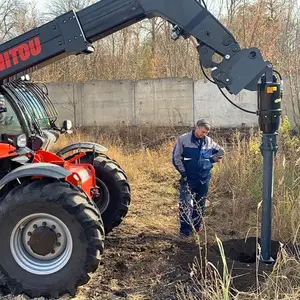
215, 159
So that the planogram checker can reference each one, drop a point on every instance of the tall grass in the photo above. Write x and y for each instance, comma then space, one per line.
207, 282
235, 194
236, 182
282, 283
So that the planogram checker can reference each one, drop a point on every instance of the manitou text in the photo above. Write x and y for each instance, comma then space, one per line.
22, 52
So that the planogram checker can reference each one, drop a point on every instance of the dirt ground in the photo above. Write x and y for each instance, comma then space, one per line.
146, 259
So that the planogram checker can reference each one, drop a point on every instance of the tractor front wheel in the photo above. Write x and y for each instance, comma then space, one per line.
115, 194
51, 238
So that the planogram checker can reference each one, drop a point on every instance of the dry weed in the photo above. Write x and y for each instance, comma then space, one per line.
235, 194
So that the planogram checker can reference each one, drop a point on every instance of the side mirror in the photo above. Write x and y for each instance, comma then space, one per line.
67, 126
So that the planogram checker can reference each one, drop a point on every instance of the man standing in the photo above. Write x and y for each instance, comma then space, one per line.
193, 157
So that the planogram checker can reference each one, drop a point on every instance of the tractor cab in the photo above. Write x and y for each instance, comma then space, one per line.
26, 108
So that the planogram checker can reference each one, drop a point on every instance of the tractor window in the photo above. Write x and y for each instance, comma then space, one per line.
9, 122
36, 109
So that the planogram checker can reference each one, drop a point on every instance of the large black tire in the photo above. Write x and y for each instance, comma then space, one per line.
114, 178
64, 209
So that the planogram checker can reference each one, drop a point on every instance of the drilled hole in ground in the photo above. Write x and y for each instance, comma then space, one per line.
243, 251
247, 258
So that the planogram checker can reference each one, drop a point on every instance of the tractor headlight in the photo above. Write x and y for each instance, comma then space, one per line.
21, 140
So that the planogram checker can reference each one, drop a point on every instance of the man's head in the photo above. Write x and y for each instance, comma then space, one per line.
202, 128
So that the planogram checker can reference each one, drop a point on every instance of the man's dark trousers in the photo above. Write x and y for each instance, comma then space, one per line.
192, 206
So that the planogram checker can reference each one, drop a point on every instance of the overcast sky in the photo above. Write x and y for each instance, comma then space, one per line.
40, 3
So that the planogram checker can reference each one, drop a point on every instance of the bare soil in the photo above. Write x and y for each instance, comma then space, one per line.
142, 263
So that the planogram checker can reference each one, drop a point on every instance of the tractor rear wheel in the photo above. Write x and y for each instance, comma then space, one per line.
115, 197
51, 238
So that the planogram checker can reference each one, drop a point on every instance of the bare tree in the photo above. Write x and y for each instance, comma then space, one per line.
232, 6
7, 20
57, 7
27, 17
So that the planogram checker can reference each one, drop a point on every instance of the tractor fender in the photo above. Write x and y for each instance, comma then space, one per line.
85, 145
36, 169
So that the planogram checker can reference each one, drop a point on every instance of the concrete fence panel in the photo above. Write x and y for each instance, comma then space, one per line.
108, 103
156, 102
164, 102
209, 103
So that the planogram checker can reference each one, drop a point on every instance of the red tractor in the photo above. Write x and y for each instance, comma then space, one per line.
55, 207
31, 114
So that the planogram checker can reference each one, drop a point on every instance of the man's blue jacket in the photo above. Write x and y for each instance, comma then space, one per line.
193, 158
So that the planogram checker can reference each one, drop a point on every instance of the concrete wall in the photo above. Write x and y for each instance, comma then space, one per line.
163, 102
158, 102
107, 103
209, 103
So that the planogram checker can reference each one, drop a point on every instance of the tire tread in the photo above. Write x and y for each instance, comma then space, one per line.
75, 203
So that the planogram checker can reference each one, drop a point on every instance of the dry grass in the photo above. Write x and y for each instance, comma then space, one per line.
282, 283
235, 194
151, 177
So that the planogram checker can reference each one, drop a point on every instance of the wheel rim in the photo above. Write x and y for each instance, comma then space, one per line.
41, 244
103, 200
